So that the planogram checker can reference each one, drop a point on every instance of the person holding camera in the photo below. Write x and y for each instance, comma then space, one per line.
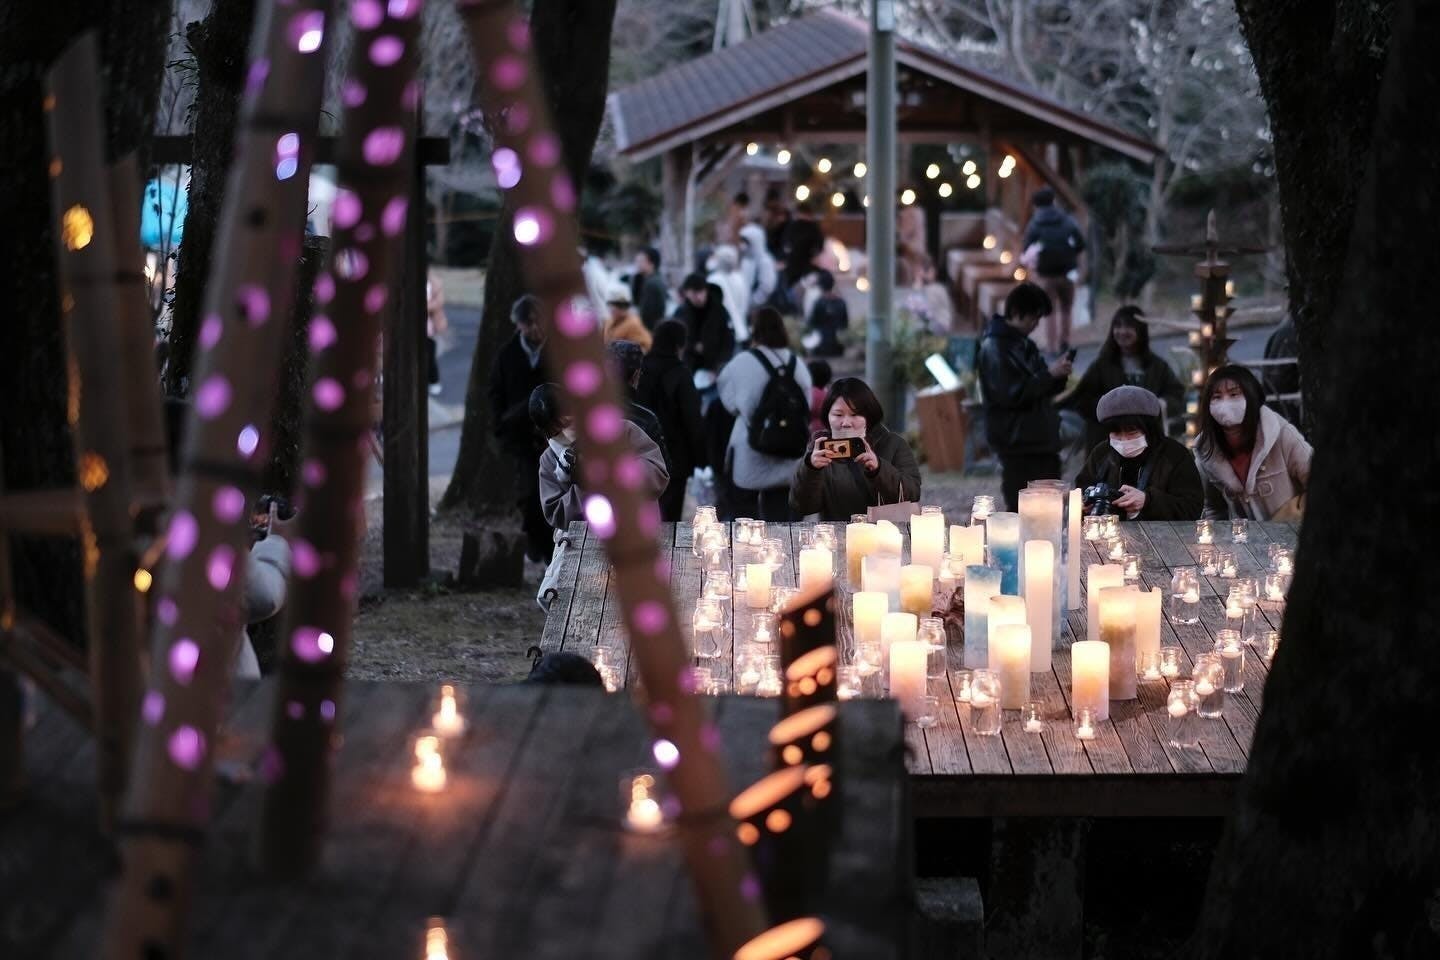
1139, 473
859, 463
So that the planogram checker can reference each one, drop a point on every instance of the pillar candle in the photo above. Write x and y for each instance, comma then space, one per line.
1148, 607
757, 585
981, 583
1010, 658
1042, 517
881, 572
896, 627
1002, 533
927, 540
859, 543
917, 589
817, 569
1040, 600
868, 609
888, 538
1004, 609
968, 543
1090, 678
1117, 628
907, 673
1072, 552
1098, 578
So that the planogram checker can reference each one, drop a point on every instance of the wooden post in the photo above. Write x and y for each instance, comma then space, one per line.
674, 179
97, 413
374, 203
686, 743
244, 331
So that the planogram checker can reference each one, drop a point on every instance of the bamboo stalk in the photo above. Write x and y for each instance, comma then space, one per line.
375, 195
248, 298
86, 259
544, 200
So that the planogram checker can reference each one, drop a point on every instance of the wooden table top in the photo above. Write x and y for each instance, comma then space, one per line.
521, 856
1129, 769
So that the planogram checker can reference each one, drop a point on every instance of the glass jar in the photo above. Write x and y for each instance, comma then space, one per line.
823, 535
1231, 648
1239, 530
772, 553
1277, 585
719, 586
1209, 677
1209, 559
1032, 717
964, 680
1085, 724
1282, 560
708, 629
847, 683
1267, 644
1204, 532
1130, 563
1226, 564
1115, 549
1094, 527
1182, 705
932, 511
1185, 595
985, 712
981, 508
744, 531
1112, 525
929, 714
1170, 660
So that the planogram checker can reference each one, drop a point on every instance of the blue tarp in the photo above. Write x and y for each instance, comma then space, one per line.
162, 211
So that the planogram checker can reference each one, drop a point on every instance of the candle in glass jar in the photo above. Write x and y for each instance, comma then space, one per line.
859, 543
1002, 534
927, 540
898, 627
1117, 628
907, 672
428, 774
1204, 531
1085, 721
868, 608
643, 813
1149, 607
1098, 578
917, 589
1090, 677
1010, 658
1115, 549
1072, 550
447, 721
1004, 610
981, 583
1040, 600
757, 585
881, 572
888, 539
968, 543
817, 566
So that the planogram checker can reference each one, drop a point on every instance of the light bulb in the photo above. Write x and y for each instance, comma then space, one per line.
932, 171
973, 181
861, 169
907, 196
802, 193
783, 157
752, 148
969, 168
824, 165
837, 199
945, 190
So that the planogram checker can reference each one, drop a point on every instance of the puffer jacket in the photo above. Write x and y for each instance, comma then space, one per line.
1166, 472
1279, 472
842, 489
1017, 390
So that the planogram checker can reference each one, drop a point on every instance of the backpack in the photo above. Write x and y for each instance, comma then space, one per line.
780, 425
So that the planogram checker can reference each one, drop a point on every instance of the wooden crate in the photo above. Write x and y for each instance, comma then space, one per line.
944, 425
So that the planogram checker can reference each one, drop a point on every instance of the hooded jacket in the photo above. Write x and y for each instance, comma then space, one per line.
1279, 472
1017, 390
707, 327
1167, 474
629, 327
1060, 241
667, 388
561, 499
757, 266
841, 490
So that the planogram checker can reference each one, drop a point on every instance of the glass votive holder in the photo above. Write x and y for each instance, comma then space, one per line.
428, 773
1115, 549
719, 585
981, 508
448, 715
1209, 677
985, 712
707, 627
1266, 644
931, 630
859, 518
705, 515
701, 680
642, 802
1085, 724
762, 629
1185, 595
1282, 560
1209, 559
1231, 648
1204, 531
1239, 531
1182, 705
848, 682
929, 714
1032, 717
781, 598
744, 530
749, 670
963, 680
1094, 527
1130, 563
868, 657
823, 535
932, 510
772, 552
771, 682
1147, 665
1276, 586
1226, 564
1112, 525
757, 532
1170, 662
717, 561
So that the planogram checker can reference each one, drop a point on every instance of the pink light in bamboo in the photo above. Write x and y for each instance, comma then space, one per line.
184, 532
184, 658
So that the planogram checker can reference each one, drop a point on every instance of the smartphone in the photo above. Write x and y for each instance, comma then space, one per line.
1070, 354
843, 448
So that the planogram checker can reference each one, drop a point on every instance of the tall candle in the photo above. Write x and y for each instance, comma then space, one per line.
917, 589
897, 627
1004, 610
967, 543
1002, 533
817, 569
1010, 658
927, 540
1042, 517
907, 673
1148, 607
1117, 628
1072, 553
757, 585
1090, 677
868, 609
881, 572
859, 543
1040, 600
981, 583
888, 538
1099, 577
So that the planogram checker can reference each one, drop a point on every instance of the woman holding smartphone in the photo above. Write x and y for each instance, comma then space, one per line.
879, 467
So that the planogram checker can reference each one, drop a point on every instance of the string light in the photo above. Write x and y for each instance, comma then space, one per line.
861, 170
907, 197
824, 165
1007, 167
945, 190
865, 201
143, 580
1020, 274
782, 157
802, 193
862, 284
969, 167
837, 199
932, 171
989, 242
752, 148
1006, 256
973, 181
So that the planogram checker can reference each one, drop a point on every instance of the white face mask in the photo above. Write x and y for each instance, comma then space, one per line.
567, 436
1228, 413
1129, 449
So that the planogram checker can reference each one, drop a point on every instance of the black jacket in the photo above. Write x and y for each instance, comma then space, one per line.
1017, 389
707, 327
668, 388
1060, 241
843, 489
511, 381
1166, 472
650, 297
1105, 375
828, 317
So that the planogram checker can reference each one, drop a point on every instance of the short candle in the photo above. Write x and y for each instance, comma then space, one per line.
917, 589
447, 721
757, 585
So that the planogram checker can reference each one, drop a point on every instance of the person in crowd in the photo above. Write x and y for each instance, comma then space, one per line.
737, 214
623, 360
562, 500
598, 278
1053, 245
622, 322
820, 374
775, 219
884, 472
518, 369
436, 323
647, 289
803, 243
709, 338
1017, 390
761, 481
562, 668
1254, 462
725, 275
828, 317
1125, 358
757, 266
1154, 476
666, 386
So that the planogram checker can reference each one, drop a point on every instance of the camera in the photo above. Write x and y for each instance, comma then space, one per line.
839, 449
1099, 499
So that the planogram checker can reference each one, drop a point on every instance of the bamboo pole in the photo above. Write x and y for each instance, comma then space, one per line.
373, 201
528, 158
244, 329
86, 259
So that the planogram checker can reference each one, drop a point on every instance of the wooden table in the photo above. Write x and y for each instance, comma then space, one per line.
1128, 770
522, 856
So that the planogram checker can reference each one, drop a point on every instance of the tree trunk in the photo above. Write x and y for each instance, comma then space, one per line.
572, 45
1334, 848
219, 43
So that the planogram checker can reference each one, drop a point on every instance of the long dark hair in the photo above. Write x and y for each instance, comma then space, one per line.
1212, 434
1128, 316
859, 396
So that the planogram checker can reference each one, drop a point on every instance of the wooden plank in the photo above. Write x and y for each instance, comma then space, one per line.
1221, 745
987, 754
1067, 755
1170, 544
557, 619
583, 631
945, 742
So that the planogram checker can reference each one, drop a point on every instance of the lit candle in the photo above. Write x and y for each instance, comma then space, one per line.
1284, 565
644, 814
1204, 531
1229, 288
1090, 677
1004, 610
899, 627
817, 569
859, 543
1085, 725
1094, 528
927, 540
917, 589
447, 721
1072, 551
907, 673
428, 774
1034, 725
881, 573
1010, 658
1002, 533
981, 583
888, 538
1117, 628
1040, 600
968, 543
1116, 548
1197, 302
757, 585
1098, 578
1229, 570
1149, 606
868, 608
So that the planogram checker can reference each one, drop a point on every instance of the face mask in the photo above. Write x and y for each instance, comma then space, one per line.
1228, 413
1129, 449
567, 436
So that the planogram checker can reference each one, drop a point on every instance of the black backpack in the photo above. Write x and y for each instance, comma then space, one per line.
780, 425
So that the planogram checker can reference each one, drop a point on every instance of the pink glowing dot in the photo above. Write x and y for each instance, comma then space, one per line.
228, 503
562, 193
346, 210
187, 747
212, 398
311, 644
254, 303
532, 226
651, 617
272, 765
383, 146
508, 72
605, 423
575, 318
518, 33
601, 516
506, 163
307, 30
327, 711
352, 264
583, 378
152, 708
210, 330
184, 532
666, 754
403, 9
322, 333
167, 611
304, 559
661, 713
517, 120
392, 218
710, 736
324, 288
596, 472
366, 14
328, 394
384, 51
312, 472
184, 657
294, 710
353, 93
375, 298
630, 472
255, 77
750, 888
220, 565
545, 150
248, 441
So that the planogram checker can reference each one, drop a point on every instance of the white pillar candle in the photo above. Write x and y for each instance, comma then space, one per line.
881, 572
868, 609
1010, 658
917, 589
1072, 553
907, 673
817, 569
757, 585
968, 543
1148, 607
1004, 610
888, 538
1040, 600
1042, 517
1090, 678
897, 628
1099, 577
927, 540
859, 543
1117, 628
